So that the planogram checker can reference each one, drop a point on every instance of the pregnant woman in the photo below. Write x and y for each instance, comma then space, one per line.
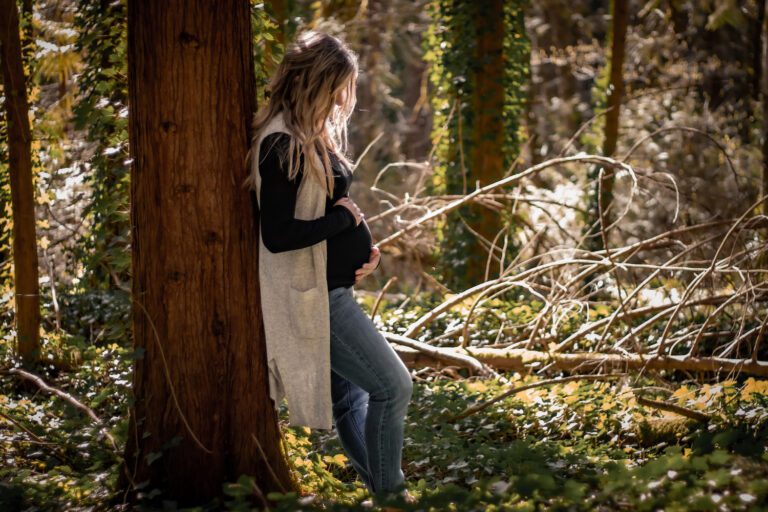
324, 353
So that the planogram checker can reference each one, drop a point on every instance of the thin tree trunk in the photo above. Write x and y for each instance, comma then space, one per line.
281, 17
487, 153
22, 190
764, 104
280, 13
27, 13
5, 199
618, 40
202, 413
758, 52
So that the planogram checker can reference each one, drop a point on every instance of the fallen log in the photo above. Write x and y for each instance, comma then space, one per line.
450, 356
522, 360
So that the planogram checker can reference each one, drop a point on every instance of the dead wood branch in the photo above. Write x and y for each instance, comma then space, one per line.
593, 159
677, 409
40, 383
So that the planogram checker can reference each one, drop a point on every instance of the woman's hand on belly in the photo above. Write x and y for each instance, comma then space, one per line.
367, 268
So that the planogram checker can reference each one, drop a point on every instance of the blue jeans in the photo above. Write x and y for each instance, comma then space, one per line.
371, 389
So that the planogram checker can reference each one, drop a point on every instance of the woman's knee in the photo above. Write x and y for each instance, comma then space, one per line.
396, 387
402, 387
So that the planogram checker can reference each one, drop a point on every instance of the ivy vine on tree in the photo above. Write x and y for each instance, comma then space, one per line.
479, 70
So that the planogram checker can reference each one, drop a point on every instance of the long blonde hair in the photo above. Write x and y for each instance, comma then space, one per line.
316, 68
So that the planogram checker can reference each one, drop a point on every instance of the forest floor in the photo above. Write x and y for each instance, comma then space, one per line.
579, 445
575, 446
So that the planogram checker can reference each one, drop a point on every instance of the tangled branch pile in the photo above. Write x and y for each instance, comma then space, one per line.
692, 298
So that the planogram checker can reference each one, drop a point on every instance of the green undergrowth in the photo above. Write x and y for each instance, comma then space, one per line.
580, 445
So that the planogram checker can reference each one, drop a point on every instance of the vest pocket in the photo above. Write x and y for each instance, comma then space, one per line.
303, 306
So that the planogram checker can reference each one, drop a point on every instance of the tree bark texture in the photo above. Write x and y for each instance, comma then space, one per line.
202, 411
25, 271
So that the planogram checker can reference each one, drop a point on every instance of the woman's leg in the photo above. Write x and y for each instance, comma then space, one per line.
361, 355
350, 406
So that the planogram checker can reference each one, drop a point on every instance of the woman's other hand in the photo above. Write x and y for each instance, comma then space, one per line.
369, 267
351, 206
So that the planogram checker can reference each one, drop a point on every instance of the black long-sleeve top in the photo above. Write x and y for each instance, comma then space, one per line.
348, 245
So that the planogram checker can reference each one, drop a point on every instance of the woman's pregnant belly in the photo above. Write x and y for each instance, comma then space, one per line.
347, 251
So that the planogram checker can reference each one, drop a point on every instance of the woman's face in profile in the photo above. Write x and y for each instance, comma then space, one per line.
341, 97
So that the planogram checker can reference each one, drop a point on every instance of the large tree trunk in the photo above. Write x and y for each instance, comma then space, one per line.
22, 190
478, 103
201, 388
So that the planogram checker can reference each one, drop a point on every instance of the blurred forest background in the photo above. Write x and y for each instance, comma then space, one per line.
556, 187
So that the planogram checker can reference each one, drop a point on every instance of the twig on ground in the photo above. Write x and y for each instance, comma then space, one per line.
484, 405
677, 409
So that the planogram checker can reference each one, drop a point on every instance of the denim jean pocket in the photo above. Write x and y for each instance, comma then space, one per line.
303, 306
